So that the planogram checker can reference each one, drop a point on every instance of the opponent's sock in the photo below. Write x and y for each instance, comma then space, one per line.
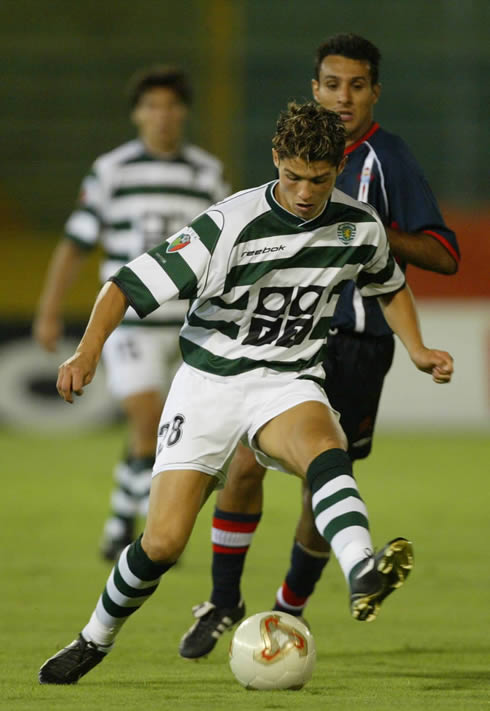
133, 580
231, 537
340, 513
304, 572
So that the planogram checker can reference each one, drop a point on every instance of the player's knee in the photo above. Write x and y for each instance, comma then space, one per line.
163, 547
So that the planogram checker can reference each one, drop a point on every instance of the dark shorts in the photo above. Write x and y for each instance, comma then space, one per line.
356, 366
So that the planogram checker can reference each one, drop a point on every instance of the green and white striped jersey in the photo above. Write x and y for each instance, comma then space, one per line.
131, 201
263, 282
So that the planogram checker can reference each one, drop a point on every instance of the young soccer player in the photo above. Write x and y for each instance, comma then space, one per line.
379, 170
134, 197
264, 270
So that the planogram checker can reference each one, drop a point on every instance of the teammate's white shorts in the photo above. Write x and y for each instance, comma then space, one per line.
205, 416
141, 358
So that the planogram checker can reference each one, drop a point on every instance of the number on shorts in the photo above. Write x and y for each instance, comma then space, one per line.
170, 432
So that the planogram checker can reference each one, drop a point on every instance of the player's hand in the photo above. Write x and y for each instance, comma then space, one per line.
74, 374
437, 363
47, 331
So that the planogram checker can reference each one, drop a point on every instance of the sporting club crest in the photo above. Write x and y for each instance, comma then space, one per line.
346, 232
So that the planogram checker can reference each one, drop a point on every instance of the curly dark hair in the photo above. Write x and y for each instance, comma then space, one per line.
166, 76
353, 47
310, 132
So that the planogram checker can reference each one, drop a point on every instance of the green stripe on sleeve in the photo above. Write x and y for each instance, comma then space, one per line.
208, 231
140, 298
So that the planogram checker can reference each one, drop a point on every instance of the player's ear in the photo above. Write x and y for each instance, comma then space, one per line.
275, 157
314, 89
341, 165
376, 92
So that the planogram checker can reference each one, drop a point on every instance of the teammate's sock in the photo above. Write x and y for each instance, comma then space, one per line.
140, 469
231, 538
133, 580
340, 513
123, 506
304, 572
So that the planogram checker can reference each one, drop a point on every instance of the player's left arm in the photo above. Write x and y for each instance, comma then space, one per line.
400, 312
422, 250
416, 231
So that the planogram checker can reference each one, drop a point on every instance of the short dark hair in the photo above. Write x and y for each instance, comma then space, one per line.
310, 132
166, 76
353, 47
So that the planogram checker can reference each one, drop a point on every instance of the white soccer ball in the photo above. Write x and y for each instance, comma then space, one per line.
272, 650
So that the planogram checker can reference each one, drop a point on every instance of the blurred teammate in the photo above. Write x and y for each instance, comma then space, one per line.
134, 197
263, 270
379, 170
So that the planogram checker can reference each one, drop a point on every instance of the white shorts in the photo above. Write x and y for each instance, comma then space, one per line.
141, 358
205, 416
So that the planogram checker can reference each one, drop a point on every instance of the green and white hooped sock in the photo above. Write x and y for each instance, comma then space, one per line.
132, 581
340, 514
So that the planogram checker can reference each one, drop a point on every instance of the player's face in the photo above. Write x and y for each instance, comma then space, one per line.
304, 188
344, 86
160, 116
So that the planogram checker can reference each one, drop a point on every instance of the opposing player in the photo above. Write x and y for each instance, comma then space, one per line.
134, 197
379, 170
263, 270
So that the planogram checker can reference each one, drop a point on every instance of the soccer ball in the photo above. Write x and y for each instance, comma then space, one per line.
272, 650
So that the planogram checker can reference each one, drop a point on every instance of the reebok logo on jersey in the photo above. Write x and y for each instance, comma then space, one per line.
182, 240
265, 250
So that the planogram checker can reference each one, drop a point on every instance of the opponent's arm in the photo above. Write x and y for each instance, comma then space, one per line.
79, 370
63, 270
401, 315
421, 250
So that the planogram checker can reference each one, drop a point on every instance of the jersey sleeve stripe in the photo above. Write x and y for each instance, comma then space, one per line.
177, 269
452, 251
208, 231
140, 298
86, 246
154, 279
379, 277
84, 225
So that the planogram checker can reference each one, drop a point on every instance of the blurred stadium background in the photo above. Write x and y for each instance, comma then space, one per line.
65, 67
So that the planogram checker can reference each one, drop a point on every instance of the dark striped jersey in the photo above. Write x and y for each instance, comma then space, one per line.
263, 283
132, 200
382, 171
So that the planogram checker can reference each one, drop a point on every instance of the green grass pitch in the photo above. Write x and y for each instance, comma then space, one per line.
429, 648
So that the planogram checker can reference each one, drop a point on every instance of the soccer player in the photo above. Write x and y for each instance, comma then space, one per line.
133, 198
263, 270
379, 170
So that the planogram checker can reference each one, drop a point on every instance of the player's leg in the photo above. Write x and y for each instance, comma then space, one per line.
355, 368
175, 500
236, 516
133, 362
309, 555
308, 439
193, 453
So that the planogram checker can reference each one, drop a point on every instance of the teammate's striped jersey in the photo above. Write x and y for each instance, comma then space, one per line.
263, 282
382, 171
132, 200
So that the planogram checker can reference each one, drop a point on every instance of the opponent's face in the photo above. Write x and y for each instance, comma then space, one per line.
160, 116
304, 188
344, 86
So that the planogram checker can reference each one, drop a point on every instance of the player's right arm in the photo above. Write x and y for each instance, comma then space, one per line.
79, 370
63, 270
